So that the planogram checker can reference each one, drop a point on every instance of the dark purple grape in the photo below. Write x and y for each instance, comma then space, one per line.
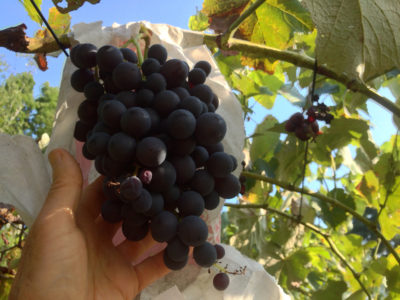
132, 217
221, 281
205, 255
203, 92
175, 72
204, 65
164, 177
121, 147
190, 203
177, 250
133, 232
80, 78
182, 147
111, 211
202, 182
81, 130
129, 55
158, 52
210, 129
108, 57
97, 143
93, 91
113, 168
144, 98
151, 152
220, 251
86, 153
192, 231
211, 107
163, 226
157, 205
181, 124
200, 156
215, 101
143, 202
127, 98
227, 187
165, 102
219, 164
150, 66
192, 104
171, 197
87, 112
211, 201
155, 82
126, 76
218, 147
181, 92
197, 76
84, 55
130, 188
184, 166
112, 112
136, 122
174, 265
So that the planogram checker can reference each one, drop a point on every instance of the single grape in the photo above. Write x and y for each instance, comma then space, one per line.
227, 187
171, 197
163, 226
97, 143
157, 205
93, 90
81, 130
197, 76
112, 112
221, 281
200, 156
219, 164
175, 72
181, 124
184, 166
190, 203
164, 176
181, 92
111, 211
80, 78
144, 97
174, 265
202, 182
203, 92
130, 188
158, 52
136, 122
165, 102
210, 129
127, 98
155, 82
204, 65
87, 112
129, 55
192, 104
86, 153
145, 176
126, 76
177, 250
84, 55
108, 57
151, 152
220, 251
133, 232
211, 201
205, 255
143, 202
150, 66
192, 231
121, 147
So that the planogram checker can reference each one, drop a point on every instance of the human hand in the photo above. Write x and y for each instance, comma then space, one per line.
69, 252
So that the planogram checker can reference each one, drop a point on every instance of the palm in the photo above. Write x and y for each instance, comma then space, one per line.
70, 255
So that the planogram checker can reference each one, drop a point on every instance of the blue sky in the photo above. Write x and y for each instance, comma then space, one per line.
176, 13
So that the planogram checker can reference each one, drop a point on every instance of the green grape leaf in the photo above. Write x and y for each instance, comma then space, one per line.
389, 223
295, 265
71, 5
198, 22
31, 10
349, 39
292, 94
393, 279
264, 142
334, 215
222, 7
58, 21
333, 291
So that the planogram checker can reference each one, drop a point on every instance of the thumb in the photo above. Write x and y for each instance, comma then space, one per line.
66, 188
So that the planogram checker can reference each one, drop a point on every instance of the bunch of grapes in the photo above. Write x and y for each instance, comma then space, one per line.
152, 131
306, 128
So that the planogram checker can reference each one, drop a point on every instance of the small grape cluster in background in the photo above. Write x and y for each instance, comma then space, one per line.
306, 128
152, 131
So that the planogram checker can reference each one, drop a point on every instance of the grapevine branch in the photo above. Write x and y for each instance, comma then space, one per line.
372, 226
312, 227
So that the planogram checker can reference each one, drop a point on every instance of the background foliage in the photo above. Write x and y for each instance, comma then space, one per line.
336, 237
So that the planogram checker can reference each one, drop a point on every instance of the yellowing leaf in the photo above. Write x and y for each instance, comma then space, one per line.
31, 9
58, 21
